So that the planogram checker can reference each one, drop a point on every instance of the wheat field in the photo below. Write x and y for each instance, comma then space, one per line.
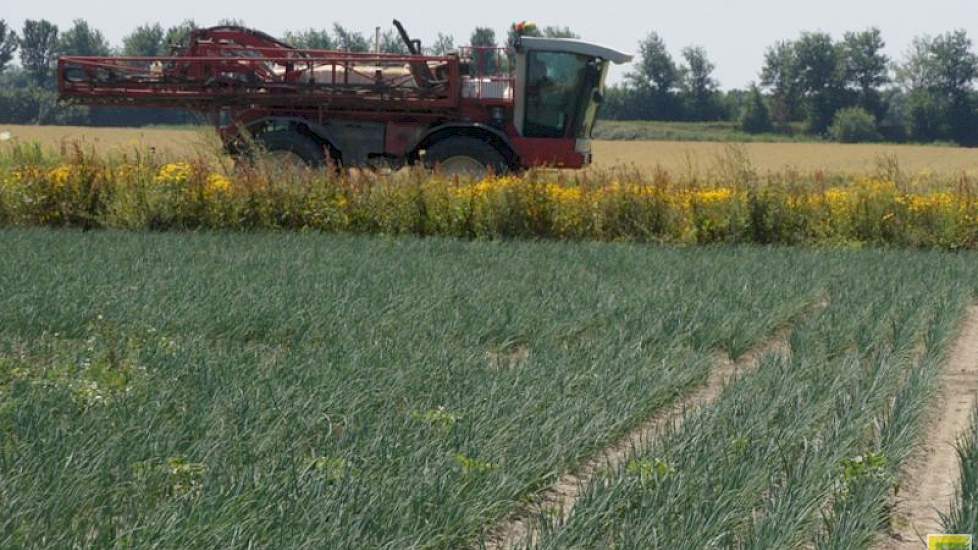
673, 156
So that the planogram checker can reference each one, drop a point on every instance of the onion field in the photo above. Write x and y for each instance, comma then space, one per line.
302, 390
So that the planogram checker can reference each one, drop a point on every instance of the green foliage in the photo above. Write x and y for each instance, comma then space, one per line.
82, 40
38, 48
483, 37
350, 41
938, 74
145, 41
443, 44
178, 36
756, 118
310, 39
854, 125
781, 75
391, 42
963, 515
866, 68
699, 88
8, 45
655, 68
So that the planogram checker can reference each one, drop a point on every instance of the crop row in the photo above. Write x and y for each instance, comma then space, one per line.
807, 451
308, 390
304, 390
93, 192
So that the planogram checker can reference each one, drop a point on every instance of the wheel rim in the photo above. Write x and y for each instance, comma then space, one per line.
464, 166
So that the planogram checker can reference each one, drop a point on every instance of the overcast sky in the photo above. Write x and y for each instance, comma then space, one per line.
734, 33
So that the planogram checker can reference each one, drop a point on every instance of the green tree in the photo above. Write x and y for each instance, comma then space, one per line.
8, 44
820, 77
698, 85
311, 39
866, 68
38, 48
145, 41
390, 42
444, 44
484, 62
780, 75
350, 41
656, 68
938, 74
756, 118
83, 40
483, 37
178, 36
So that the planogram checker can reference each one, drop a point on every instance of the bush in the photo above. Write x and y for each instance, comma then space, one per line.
756, 118
854, 125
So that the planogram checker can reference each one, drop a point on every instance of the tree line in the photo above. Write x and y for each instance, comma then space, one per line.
847, 88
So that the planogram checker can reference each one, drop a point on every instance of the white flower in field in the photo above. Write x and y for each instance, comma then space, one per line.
6, 136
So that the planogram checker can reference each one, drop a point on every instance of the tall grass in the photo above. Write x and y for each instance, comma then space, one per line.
734, 204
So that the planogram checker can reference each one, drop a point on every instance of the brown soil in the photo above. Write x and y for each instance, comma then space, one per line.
559, 499
931, 479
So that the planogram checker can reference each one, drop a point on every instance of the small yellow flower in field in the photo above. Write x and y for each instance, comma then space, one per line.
838, 199
174, 174
218, 184
929, 203
563, 195
714, 196
59, 176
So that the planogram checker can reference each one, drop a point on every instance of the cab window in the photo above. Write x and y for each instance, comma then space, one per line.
553, 89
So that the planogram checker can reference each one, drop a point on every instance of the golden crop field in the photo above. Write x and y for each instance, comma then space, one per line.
674, 156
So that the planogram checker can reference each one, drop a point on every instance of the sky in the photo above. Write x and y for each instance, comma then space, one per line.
734, 33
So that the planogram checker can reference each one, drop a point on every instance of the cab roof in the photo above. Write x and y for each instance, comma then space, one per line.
530, 43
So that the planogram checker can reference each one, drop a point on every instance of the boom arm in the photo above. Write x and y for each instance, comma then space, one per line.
233, 66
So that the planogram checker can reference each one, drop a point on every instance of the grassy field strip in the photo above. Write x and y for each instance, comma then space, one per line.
558, 500
758, 468
928, 488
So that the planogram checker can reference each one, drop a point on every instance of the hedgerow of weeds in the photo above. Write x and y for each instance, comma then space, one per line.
80, 189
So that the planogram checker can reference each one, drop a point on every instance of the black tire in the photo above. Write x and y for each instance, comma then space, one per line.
473, 148
288, 141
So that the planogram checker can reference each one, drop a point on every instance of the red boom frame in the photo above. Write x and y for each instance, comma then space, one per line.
243, 75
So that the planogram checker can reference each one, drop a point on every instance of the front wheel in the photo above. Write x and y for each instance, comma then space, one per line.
465, 156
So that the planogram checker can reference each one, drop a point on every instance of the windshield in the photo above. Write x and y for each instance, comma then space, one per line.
561, 98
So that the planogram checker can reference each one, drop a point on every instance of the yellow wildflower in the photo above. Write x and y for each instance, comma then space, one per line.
174, 174
59, 176
217, 184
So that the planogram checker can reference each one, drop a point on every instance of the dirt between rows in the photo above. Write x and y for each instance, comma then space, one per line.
930, 481
558, 501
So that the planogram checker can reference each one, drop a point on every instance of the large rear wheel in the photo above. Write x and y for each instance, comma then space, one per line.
466, 156
292, 149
